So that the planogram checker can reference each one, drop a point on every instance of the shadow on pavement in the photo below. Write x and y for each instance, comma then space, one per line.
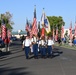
14, 71
56, 52
12, 57
4, 53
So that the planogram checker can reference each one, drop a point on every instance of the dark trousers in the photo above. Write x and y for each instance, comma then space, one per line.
27, 49
49, 50
43, 51
35, 50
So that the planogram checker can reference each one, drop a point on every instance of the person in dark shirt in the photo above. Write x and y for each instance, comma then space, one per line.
22, 39
59, 40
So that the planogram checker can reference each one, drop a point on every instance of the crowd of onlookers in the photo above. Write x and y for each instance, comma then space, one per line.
67, 40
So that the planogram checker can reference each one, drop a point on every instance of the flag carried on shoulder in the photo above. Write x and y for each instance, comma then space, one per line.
3, 27
75, 30
53, 33
56, 36
45, 22
62, 31
34, 25
27, 28
70, 29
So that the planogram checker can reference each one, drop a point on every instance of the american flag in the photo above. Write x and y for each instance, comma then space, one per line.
27, 28
9, 33
53, 33
62, 31
3, 27
70, 29
34, 25
75, 30
30, 30
56, 36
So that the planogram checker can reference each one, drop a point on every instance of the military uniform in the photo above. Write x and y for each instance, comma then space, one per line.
50, 44
27, 44
42, 44
35, 47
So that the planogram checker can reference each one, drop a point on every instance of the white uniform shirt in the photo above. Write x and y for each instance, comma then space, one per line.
34, 39
42, 42
27, 42
50, 42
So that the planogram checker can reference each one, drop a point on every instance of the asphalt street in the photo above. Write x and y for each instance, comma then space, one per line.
15, 63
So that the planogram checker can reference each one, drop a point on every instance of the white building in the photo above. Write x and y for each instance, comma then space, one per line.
18, 35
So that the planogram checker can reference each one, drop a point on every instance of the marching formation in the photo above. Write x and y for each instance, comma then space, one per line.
42, 45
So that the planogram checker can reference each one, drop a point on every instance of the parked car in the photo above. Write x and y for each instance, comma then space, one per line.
13, 38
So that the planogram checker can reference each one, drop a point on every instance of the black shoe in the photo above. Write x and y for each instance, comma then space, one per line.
48, 56
44, 57
27, 57
51, 56
36, 57
41, 56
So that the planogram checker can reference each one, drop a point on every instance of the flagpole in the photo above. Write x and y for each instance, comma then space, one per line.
42, 23
75, 19
43, 14
53, 33
75, 28
34, 6
0, 30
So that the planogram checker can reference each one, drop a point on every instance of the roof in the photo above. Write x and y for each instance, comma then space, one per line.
16, 33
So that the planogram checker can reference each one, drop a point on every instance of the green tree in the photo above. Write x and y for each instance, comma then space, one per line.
56, 22
6, 17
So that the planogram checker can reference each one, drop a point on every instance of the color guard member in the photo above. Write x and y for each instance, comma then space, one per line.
35, 46
26, 45
50, 44
42, 47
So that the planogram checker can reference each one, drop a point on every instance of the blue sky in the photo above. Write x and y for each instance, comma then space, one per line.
22, 9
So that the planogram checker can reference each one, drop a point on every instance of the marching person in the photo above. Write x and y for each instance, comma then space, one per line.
50, 45
26, 45
7, 41
35, 46
22, 39
42, 44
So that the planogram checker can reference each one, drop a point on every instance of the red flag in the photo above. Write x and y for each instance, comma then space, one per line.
70, 29
3, 27
34, 26
9, 33
43, 32
62, 31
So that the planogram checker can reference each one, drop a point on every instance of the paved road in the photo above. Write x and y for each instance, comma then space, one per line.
15, 63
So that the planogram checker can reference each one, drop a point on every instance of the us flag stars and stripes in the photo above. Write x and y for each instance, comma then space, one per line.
3, 27
34, 26
70, 29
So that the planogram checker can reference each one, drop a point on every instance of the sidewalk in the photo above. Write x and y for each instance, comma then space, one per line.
65, 45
